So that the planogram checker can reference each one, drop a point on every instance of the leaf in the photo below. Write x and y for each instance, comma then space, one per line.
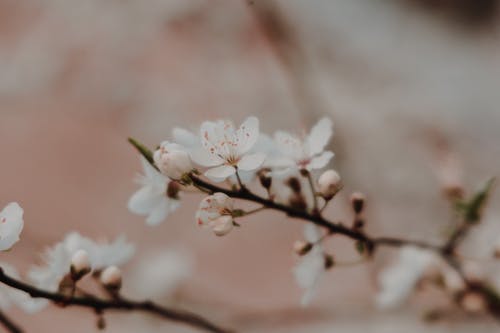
143, 150
473, 209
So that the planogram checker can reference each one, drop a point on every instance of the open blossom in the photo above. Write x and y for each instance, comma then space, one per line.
398, 280
311, 267
225, 148
307, 153
57, 260
11, 225
152, 199
215, 211
172, 160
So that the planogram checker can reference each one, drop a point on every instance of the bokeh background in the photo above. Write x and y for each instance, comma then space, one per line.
405, 81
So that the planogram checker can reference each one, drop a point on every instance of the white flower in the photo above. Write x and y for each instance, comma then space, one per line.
329, 184
111, 277
398, 280
11, 225
172, 160
224, 148
305, 154
57, 259
10, 296
311, 267
152, 199
215, 211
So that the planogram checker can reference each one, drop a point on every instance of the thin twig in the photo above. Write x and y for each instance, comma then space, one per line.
9, 325
122, 304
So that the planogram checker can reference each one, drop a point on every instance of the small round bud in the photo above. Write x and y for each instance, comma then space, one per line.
80, 264
358, 202
172, 161
301, 247
173, 189
329, 183
473, 302
265, 178
111, 278
222, 225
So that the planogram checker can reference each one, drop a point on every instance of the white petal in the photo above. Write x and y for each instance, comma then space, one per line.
202, 157
312, 233
159, 213
248, 134
251, 161
185, 138
144, 200
11, 225
319, 136
220, 173
320, 161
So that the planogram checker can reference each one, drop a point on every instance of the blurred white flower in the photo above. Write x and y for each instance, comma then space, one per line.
329, 183
311, 267
10, 296
57, 260
172, 160
398, 280
151, 199
111, 278
215, 211
307, 153
224, 148
159, 274
11, 225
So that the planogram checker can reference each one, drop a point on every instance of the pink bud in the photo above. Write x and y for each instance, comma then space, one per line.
172, 161
329, 183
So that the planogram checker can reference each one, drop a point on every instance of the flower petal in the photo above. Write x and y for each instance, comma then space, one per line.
320, 161
247, 135
251, 161
319, 136
159, 213
202, 157
185, 138
220, 173
143, 201
11, 225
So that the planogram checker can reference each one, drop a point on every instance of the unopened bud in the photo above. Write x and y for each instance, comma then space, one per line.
358, 202
265, 178
329, 262
173, 189
329, 183
222, 225
172, 161
80, 265
301, 247
111, 278
473, 302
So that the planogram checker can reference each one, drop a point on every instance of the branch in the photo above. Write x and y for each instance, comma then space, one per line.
9, 325
122, 304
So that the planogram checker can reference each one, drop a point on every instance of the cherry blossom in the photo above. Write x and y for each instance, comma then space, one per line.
11, 225
215, 211
226, 149
57, 260
172, 160
311, 267
151, 199
307, 153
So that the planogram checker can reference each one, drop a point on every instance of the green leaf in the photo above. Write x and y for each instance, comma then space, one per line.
143, 150
473, 209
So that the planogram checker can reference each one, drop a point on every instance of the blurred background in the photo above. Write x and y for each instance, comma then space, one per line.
406, 82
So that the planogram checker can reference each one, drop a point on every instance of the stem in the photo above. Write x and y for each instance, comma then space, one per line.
122, 304
313, 191
256, 210
9, 325
240, 183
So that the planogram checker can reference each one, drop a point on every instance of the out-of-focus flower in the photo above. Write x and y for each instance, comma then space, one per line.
215, 211
111, 278
151, 199
311, 267
11, 225
159, 274
308, 153
398, 280
329, 184
172, 160
80, 264
57, 260
225, 148
10, 296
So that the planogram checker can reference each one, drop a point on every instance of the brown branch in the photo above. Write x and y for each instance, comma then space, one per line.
122, 304
9, 325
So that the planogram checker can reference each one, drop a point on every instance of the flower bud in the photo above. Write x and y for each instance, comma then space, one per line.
358, 202
111, 278
80, 264
172, 161
329, 184
222, 225
301, 247
473, 302
265, 178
